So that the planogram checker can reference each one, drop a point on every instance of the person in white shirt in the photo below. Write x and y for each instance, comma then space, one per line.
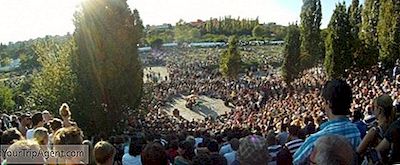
133, 156
37, 121
231, 156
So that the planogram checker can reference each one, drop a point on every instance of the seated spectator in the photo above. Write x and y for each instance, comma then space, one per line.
231, 156
133, 156
225, 149
252, 151
172, 152
216, 159
10, 136
273, 147
186, 153
37, 121
154, 154
294, 141
384, 112
282, 135
362, 127
202, 159
391, 142
333, 150
104, 153
338, 97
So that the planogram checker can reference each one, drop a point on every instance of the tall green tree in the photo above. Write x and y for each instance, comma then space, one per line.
311, 43
107, 65
358, 48
138, 25
6, 102
185, 33
355, 18
55, 83
338, 49
290, 68
389, 31
231, 60
369, 32
258, 31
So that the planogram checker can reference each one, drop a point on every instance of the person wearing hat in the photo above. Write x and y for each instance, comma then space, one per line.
338, 98
252, 150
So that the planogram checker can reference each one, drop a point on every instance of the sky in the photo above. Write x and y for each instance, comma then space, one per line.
28, 19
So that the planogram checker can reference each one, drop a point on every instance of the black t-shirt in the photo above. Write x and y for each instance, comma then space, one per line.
393, 136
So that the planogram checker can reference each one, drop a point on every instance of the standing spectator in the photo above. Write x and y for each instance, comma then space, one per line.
104, 153
338, 97
37, 121
24, 123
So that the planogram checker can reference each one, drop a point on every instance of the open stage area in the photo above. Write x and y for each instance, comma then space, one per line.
205, 106
162, 70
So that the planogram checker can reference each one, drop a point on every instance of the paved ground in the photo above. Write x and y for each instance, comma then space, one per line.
155, 70
207, 106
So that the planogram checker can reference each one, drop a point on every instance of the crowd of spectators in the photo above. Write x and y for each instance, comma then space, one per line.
313, 120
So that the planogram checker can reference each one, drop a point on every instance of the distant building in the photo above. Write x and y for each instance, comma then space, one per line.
15, 63
160, 27
198, 23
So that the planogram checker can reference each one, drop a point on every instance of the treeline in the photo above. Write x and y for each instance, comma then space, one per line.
359, 36
216, 30
24, 51
229, 26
